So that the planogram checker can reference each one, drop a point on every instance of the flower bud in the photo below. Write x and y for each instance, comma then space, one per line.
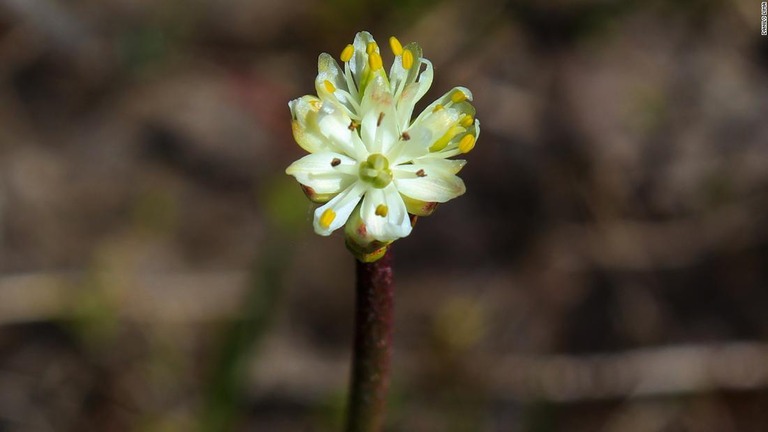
314, 196
359, 241
419, 208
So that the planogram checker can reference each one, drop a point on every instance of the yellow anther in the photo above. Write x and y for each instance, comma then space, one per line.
371, 48
315, 104
346, 53
443, 141
382, 210
458, 96
397, 47
329, 87
327, 218
374, 61
467, 121
437, 108
467, 143
407, 59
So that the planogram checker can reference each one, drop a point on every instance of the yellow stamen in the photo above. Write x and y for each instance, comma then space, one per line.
346, 54
329, 87
467, 121
437, 108
315, 104
327, 218
407, 59
374, 61
382, 210
371, 48
467, 143
397, 47
458, 96
443, 141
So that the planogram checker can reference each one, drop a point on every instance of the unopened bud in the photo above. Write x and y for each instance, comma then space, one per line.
359, 241
419, 208
314, 196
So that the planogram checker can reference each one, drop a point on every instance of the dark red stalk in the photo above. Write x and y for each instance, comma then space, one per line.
373, 345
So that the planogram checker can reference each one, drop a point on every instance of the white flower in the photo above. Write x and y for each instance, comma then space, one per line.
366, 155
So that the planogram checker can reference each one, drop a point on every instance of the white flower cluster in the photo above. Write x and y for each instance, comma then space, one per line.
370, 164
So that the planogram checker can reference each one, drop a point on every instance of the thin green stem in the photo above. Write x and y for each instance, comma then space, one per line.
372, 345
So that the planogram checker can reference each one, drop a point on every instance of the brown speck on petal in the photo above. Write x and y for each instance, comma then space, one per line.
421, 173
430, 206
335, 162
307, 190
405, 136
381, 118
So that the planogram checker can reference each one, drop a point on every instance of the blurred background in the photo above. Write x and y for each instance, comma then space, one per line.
607, 269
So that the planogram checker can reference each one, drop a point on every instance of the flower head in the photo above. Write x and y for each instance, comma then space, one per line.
370, 163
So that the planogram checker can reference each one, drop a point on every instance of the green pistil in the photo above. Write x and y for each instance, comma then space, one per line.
376, 171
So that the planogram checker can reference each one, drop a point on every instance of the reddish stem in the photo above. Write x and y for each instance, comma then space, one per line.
373, 345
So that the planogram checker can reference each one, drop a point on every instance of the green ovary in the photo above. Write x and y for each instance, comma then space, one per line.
376, 171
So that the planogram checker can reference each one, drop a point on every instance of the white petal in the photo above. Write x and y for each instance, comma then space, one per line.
413, 92
329, 70
437, 185
398, 74
321, 172
395, 224
452, 149
304, 111
378, 127
405, 151
463, 107
423, 134
335, 126
359, 61
342, 206
452, 166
